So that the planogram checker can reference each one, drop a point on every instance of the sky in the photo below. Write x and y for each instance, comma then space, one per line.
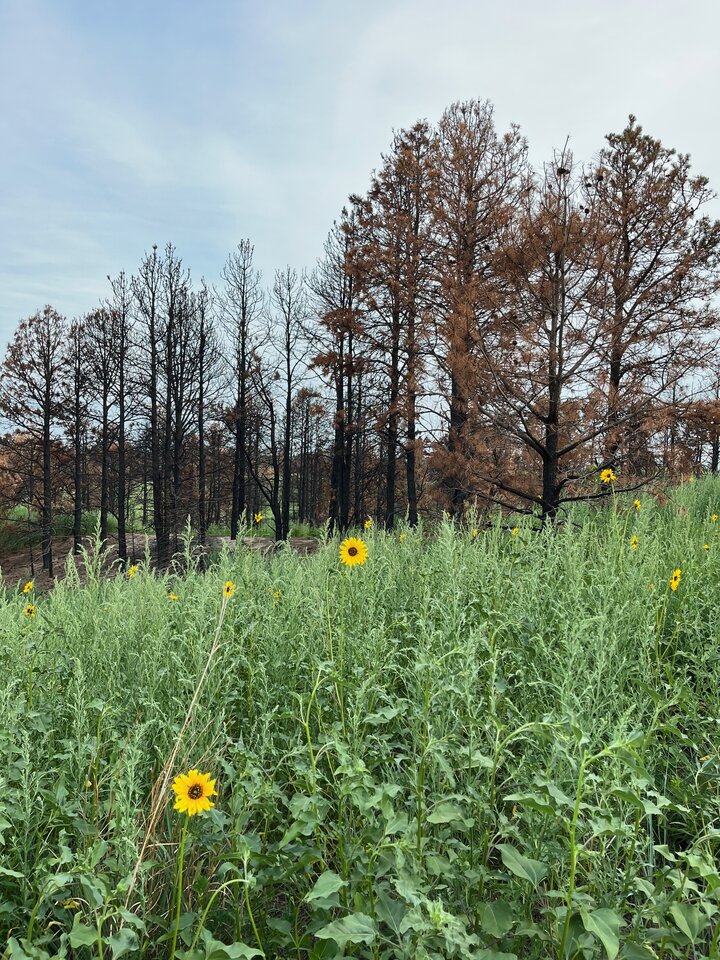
202, 123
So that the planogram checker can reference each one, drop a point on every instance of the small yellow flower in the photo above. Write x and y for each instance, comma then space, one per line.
475, 533
173, 596
515, 531
402, 537
258, 518
675, 579
607, 476
706, 546
368, 523
28, 586
133, 569
29, 610
637, 504
276, 595
651, 586
70, 904
193, 791
229, 589
714, 518
634, 543
353, 552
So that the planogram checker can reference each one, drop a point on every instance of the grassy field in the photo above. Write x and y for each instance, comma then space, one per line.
488, 747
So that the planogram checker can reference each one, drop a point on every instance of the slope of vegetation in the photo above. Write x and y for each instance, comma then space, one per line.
490, 746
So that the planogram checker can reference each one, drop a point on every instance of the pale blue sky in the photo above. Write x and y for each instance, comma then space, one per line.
128, 123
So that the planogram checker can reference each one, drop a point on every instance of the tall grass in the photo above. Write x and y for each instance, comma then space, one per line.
493, 746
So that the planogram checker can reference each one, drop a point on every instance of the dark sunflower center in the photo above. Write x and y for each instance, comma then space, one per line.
195, 791
352, 551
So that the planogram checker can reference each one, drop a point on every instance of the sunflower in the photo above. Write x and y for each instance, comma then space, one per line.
193, 791
402, 537
28, 586
706, 546
229, 589
133, 569
515, 531
368, 523
637, 504
607, 476
675, 579
29, 610
474, 533
173, 596
353, 552
714, 518
258, 518
634, 542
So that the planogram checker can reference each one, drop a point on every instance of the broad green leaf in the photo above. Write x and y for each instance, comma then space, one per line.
605, 925
123, 942
637, 951
688, 919
488, 954
82, 936
325, 886
355, 928
496, 918
523, 867
446, 812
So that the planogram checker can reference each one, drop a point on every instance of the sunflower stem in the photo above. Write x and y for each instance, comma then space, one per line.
178, 899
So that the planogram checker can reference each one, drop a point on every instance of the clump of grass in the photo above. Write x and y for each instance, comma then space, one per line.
489, 745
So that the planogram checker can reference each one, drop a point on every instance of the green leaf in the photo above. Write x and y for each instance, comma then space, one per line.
122, 942
523, 867
446, 812
688, 919
82, 936
355, 928
496, 918
487, 954
325, 886
637, 951
605, 925
5, 872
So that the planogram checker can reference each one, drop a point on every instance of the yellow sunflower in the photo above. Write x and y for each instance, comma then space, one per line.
193, 791
173, 596
706, 546
353, 552
133, 569
28, 586
675, 579
368, 523
637, 504
714, 518
258, 518
515, 531
607, 476
229, 589
29, 610
634, 543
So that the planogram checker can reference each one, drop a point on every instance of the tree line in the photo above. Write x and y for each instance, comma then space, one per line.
478, 330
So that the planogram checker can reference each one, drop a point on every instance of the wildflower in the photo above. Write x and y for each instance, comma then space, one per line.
229, 589
353, 552
607, 476
675, 579
634, 543
475, 533
258, 518
70, 904
193, 791
29, 610
714, 518
277, 595
133, 569
637, 504
651, 586
173, 596
402, 537
515, 531
368, 523
706, 546
28, 586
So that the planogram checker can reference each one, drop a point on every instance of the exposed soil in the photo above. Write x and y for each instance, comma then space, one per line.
18, 568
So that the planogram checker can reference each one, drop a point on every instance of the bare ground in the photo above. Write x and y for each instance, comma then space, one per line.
20, 566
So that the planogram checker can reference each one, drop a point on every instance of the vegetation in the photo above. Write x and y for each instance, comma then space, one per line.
491, 742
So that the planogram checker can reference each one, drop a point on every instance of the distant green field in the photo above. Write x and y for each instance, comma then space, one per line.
488, 747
